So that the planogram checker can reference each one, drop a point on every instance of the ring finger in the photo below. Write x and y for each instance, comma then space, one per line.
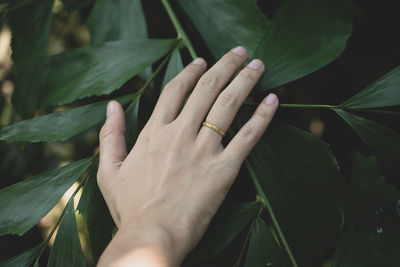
228, 103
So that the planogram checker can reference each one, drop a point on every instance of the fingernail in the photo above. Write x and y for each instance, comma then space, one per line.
240, 51
110, 108
270, 99
198, 61
255, 64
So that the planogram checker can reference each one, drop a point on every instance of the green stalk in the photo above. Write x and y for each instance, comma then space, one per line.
46, 242
268, 207
148, 82
307, 106
300, 106
247, 238
179, 29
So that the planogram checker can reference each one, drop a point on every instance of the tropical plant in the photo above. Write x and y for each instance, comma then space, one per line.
304, 212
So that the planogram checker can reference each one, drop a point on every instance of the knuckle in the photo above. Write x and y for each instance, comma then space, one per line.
250, 132
263, 113
174, 85
105, 131
108, 130
208, 80
229, 59
248, 75
228, 99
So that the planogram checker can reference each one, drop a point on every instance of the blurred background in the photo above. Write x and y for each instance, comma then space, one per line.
372, 50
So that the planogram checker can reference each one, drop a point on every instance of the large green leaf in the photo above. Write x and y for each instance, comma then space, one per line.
117, 20
175, 65
225, 24
30, 26
66, 250
24, 259
224, 227
371, 234
98, 219
302, 37
59, 126
384, 92
297, 177
382, 141
26, 202
263, 249
98, 69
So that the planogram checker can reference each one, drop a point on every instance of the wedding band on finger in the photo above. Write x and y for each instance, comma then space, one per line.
214, 127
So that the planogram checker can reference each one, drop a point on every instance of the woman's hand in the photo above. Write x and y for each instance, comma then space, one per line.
163, 194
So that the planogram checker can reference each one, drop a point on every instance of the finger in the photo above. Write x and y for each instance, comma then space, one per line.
228, 102
174, 93
112, 140
248, 136
209, 86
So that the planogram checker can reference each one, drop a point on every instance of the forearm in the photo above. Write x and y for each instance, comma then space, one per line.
134, 247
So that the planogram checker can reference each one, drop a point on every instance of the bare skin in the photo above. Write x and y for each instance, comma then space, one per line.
164, 192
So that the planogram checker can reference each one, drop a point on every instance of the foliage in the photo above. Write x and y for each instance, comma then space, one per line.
304, 207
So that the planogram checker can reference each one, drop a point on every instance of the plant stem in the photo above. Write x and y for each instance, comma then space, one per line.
46, 242
147, 83
179, 29
301, 106
307, 106
260, 192
246, 241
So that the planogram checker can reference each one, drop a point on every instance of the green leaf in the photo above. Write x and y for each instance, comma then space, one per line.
98, 219
59, 126
298, 178
66, 250
98, 69
385, 92
117, 20
175, 65
30, 27
302, 37
263, 249
24, 259
28, 201
371, 231
132, 122
224, 227
382, 141
216, 19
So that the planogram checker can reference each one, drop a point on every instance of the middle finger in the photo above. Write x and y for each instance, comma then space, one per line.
209, 86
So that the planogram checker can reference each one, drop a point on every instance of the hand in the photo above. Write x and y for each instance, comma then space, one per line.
163, 194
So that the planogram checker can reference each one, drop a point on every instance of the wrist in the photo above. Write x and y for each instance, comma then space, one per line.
142, 246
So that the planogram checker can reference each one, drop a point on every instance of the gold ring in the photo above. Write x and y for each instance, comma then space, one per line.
214, 127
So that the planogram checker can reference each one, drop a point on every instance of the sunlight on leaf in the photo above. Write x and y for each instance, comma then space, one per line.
28, 201
97, 216
66, 250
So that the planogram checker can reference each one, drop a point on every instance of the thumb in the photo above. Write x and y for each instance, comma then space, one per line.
112, 140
